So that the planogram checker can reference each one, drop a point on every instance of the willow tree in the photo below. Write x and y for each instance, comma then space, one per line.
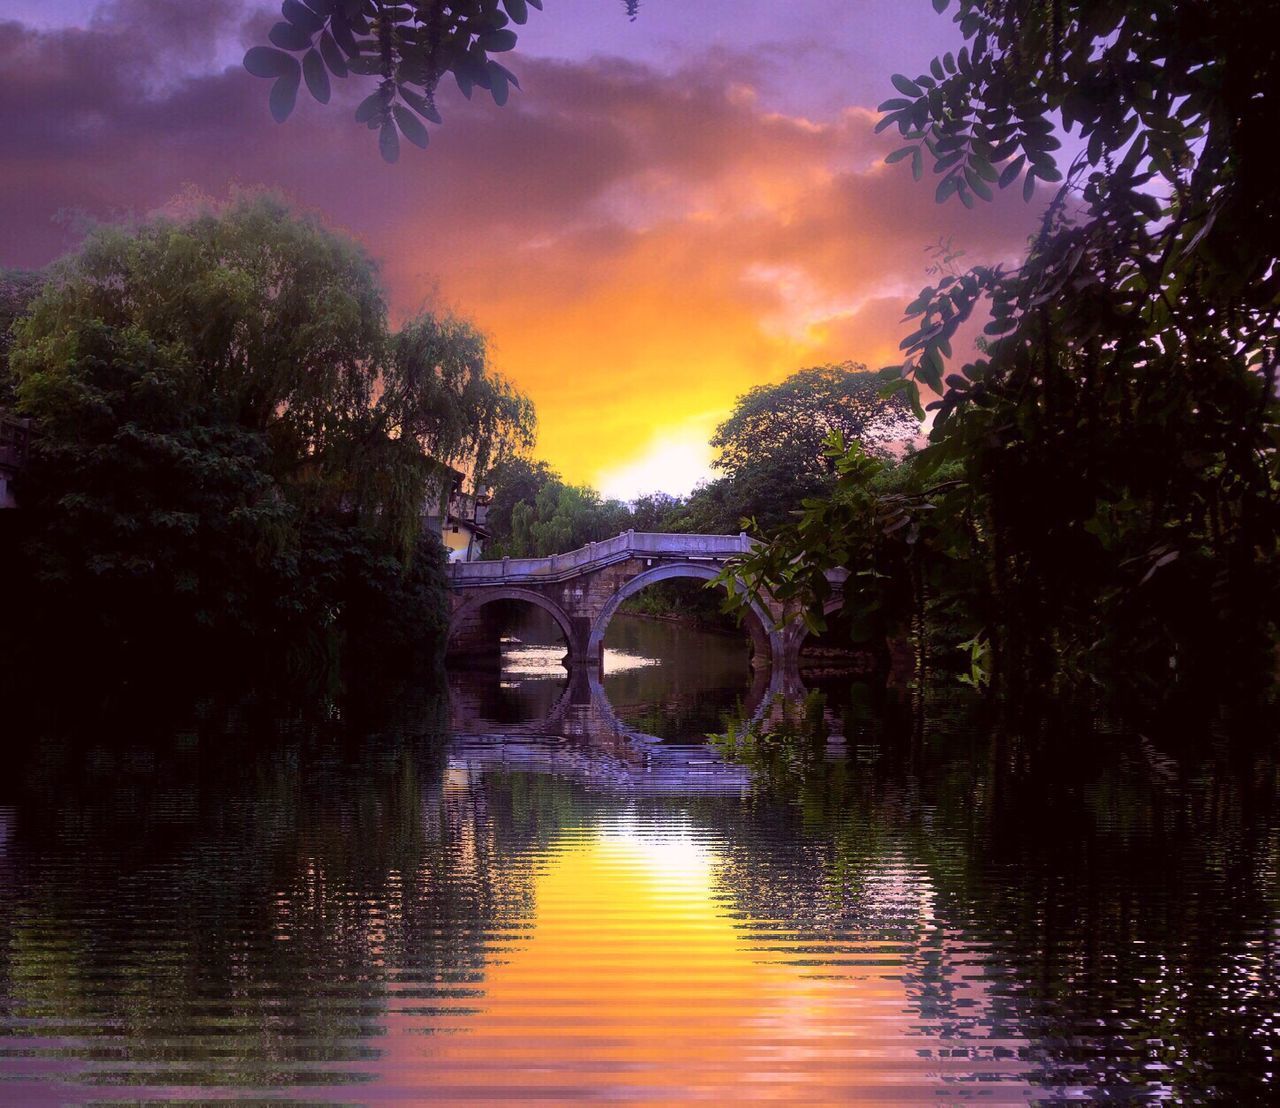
217, 398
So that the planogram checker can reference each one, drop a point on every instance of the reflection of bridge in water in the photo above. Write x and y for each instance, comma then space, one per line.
581, 710
581, 736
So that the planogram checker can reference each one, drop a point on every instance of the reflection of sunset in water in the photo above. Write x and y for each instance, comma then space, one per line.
640, 979
505, 917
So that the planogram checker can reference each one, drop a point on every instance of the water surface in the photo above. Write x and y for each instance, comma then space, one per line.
403, 900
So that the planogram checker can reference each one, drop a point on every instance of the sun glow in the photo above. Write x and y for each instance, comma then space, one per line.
673, 462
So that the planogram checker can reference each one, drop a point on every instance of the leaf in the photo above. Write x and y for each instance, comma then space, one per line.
332, 55
1029, 185
266, 61
389, 143
1163, 560
979, 186
343, 37
814, 621
316, 75
512, 79
888, 121
498, 84
420, 104
284, 95
906, 86
495, 42
368, 108
982, 167
899, 154
940, 6
1010, 172
302, 17
288, 37
410, 126
517, 9
945, 188
913, 395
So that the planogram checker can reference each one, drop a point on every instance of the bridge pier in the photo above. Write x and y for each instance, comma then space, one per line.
475, 636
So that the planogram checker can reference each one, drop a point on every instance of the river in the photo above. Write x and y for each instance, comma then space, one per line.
517, 892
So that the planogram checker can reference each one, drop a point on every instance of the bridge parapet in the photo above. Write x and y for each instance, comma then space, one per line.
595, 555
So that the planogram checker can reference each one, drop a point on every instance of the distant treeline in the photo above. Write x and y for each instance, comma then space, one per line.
769, 453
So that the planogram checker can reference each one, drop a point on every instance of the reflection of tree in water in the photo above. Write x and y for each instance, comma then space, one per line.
704, 677
251, 909
1107, 913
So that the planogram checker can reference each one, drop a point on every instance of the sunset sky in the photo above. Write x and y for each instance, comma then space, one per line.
672, 211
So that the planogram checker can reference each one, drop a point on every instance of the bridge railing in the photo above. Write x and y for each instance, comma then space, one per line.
629, 544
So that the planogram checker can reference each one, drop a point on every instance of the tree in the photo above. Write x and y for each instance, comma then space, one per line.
784, 426
1117, 436
557, 517
655, 511
228, 437
18, 287
1132, 367
771, 448
405, 49
515, 480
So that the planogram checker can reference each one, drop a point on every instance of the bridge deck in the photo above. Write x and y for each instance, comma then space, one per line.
629, 544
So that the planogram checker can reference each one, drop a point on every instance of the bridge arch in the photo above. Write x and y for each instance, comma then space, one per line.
766, 642
512, 592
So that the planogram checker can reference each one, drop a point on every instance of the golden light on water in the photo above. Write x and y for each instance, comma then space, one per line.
640, 979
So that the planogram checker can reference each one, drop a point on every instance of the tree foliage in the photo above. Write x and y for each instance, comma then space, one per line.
227, 435
771, 447
534, 513
1117, 435
18, 287
1174, 107
403, 49
785, 426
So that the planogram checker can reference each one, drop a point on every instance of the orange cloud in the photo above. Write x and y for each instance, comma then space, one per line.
640, 247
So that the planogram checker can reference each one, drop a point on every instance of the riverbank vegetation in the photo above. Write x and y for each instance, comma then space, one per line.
1099, 496
231, 447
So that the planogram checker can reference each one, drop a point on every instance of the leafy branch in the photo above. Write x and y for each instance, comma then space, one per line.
406, 48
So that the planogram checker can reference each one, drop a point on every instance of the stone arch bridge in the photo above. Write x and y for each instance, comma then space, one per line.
583, 589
